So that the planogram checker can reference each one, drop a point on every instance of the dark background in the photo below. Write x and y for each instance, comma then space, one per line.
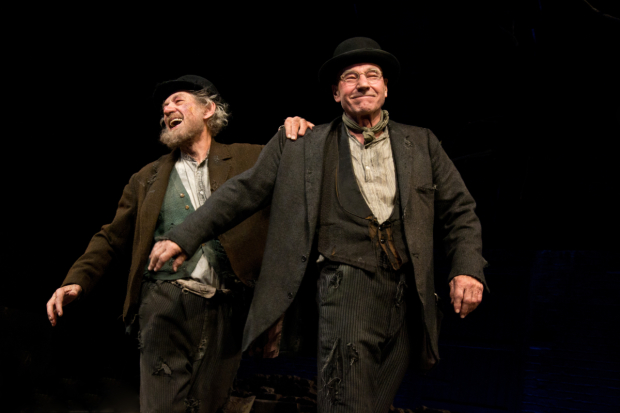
522, 94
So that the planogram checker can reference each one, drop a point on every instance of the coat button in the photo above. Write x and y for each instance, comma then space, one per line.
186, 206
383, 240
290, 296
182, 195
303, 258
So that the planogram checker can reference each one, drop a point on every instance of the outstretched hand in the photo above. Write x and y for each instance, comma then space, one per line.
465, 294
296, 126
61, 297
162, 252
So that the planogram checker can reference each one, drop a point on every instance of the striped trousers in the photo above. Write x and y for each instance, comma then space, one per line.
190, 349
363, 338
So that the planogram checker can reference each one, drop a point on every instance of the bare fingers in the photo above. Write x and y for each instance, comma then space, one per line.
303, 127
471, 299
178, 261
161, 253
60, 298
296, 126
465, 294
51, 310
456, 297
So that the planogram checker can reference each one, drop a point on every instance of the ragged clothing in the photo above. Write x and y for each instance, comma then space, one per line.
349, 231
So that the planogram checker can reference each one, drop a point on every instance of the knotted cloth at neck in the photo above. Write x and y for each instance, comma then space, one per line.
369, 133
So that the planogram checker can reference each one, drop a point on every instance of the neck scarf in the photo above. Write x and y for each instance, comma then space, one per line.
369, 133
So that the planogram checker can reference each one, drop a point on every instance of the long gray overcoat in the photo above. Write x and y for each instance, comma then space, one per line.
288, 176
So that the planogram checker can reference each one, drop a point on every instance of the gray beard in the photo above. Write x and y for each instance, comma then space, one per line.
174, 139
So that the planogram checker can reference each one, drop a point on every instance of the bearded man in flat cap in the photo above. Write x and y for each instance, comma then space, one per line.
190, 318
359, 196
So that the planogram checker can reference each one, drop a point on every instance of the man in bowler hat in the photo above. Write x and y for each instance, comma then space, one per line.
359, 196
190, 318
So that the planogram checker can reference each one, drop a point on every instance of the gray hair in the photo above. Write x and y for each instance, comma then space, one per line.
219, 120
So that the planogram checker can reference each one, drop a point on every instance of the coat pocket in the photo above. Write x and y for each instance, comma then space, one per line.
427, 189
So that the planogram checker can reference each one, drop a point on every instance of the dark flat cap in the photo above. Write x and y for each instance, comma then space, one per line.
187, 82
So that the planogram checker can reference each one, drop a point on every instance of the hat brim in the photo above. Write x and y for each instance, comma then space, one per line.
165, 89
388, 63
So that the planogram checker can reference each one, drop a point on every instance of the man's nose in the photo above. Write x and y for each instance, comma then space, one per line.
362, 82
168, 109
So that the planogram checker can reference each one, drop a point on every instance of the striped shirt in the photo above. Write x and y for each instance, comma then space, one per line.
373, 165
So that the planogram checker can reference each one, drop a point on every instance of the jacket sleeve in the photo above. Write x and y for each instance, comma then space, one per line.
455, 213
108, 245
237, 199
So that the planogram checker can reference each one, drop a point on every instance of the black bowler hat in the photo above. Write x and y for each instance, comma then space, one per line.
187, 82
359, 50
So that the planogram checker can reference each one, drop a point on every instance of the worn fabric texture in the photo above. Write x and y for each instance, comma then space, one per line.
128, 239
373, 165
187, 319
348, 231
175, 207
288, 174
363, 338
190, 349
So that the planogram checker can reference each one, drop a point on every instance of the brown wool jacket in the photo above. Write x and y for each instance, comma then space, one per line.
130, 235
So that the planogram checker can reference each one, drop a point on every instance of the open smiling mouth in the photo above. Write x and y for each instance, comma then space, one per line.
175, 122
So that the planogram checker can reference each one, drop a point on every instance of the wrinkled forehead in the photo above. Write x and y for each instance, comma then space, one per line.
360, 68
180, 94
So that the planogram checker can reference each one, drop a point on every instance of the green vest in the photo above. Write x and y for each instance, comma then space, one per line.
175, 208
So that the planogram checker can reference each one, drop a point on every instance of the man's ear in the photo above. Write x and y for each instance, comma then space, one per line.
210, 111
336, 93
385, 83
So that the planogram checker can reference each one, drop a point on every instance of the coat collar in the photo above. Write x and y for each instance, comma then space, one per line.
402, 152
161, 171
219, 151
219, 170
314, 147
157, 183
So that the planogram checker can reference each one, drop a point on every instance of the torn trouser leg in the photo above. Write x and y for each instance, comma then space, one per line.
190, 350
363, 338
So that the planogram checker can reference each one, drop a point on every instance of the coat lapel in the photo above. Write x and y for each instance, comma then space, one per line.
219, 170
349, 194
402, 152
314, 148
156, 188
